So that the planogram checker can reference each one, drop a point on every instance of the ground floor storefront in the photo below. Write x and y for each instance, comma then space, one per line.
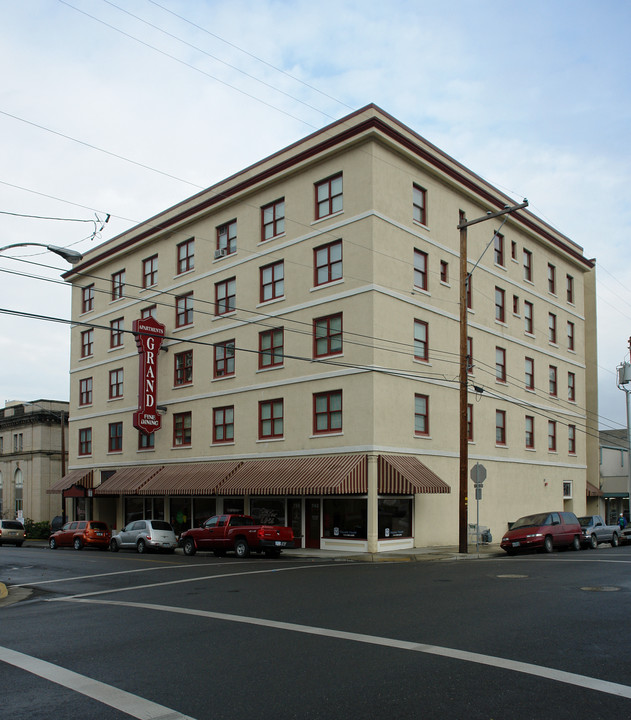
359, 502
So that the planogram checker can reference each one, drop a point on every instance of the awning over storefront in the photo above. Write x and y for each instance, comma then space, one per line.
127, 481
406, 475
593, 491
342, 474
193, 479
82, 477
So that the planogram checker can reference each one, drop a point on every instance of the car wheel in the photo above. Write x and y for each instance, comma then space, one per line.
241, 548
141, 547
547, 544
576, 543
614, 540
77, 544
52, 544
114, 546
593, 542
189, 546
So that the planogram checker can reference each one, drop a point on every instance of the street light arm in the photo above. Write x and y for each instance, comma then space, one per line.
71, 256
465, 223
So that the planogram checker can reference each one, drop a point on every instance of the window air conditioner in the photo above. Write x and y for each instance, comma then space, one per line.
221, 253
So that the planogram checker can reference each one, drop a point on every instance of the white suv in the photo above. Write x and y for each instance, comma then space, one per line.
143, 535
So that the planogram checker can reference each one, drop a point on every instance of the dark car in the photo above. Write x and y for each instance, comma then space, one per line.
81, 533
543, 531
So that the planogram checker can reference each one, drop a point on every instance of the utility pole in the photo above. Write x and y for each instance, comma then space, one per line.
624, 377
465, 279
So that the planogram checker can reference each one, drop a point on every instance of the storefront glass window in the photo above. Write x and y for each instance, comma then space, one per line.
203, 508
233, 506
134, 509
180, 515
395, 518
268, 511
345, 518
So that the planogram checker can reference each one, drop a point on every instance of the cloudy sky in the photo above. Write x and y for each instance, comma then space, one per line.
125, 108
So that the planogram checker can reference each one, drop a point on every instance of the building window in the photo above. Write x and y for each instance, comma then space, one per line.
270, 419
118, 285
530, 373
271, 348
183, 368
227, 238
18, 442
182, 429
469, 355
116, 333
528, 265
225, 296
273, 220
87, 343
420, 269
470, 423
185, 256
552, 436
569, 284
513, 250
184, 310
272, 279
499, 249
500, 364
552, 281
528, 317
148, 312
552, 382
500, 427
530, 432
327, 336
223, 424
421, 414
516, 305
224, 359
552, 328
87, 298
327, 263
146, 442
571, 386
567, 489
116, 383
500, 305
328, 197
327, 412
150, 271
444, 271
571, 439
85, 441
570, 335
419, 204
115, 437
85, 391
421, 345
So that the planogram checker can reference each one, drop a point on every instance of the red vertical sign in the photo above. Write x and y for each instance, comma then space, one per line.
149, 335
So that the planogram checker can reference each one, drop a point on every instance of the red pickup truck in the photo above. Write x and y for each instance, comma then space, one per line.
240, 533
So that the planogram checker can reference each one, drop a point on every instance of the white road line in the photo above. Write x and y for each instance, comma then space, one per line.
568, 678
121, 700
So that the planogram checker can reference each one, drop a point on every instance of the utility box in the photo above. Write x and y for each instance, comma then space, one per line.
624, 374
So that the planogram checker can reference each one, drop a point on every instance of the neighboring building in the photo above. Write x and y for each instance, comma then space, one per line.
309, 362
33, 457
614, 474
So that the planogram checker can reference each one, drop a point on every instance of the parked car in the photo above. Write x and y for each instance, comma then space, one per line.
142, 535
11, 532
596, 531
543, 531
81, 533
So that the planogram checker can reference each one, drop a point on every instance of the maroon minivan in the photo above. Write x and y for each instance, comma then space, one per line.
543, 531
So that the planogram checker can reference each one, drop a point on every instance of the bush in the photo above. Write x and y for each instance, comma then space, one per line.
36, 530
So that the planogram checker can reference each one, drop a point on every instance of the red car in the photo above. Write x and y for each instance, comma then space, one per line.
81, 533
543, 531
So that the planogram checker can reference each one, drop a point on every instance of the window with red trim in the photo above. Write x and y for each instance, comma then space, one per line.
528, 314
227, 238
272, 279
185, 256
500, 427
569, 285
552, 282
87, 343
327, 412
118, 285
223, 363
552, 328
469, 355
420, 269
116, 383
498, 242
500, 364
115, 437
329, 196
571, 439
183, 368
223, 424
421, 340
271, 348
273, 220
421, 414
150, 271
530, 432
85, 391
327, 336
552, 436
87, 298
444, 271
500, 305
527, 265
530, 373
116, 332
327, 263
184, 310
570, 335
148, 312
419, 204
146, 441
571, 386
225, 296
85, 441
182, 429
271, 419
552, 380
470, 423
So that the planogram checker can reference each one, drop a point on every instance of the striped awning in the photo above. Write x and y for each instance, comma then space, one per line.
128, 480
327, 475
593, 491
80, 476
406, 475
190, 479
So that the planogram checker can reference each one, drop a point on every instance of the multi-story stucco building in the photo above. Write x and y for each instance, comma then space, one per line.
309, 363
33, 441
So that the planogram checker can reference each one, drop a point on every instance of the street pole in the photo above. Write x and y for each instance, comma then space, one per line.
465, 279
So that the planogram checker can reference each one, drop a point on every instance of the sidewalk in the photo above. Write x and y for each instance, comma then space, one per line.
411, 555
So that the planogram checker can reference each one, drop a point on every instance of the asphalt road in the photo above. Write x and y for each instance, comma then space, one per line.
103, 635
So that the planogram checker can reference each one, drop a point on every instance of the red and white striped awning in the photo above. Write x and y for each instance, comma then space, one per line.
81, 476
406, 475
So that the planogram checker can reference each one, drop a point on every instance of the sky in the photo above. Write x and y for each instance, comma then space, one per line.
125, 108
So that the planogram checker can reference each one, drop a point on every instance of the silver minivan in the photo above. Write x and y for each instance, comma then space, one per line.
143, 535
11, 531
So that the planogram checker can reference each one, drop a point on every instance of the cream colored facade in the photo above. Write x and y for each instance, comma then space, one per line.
379, 297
